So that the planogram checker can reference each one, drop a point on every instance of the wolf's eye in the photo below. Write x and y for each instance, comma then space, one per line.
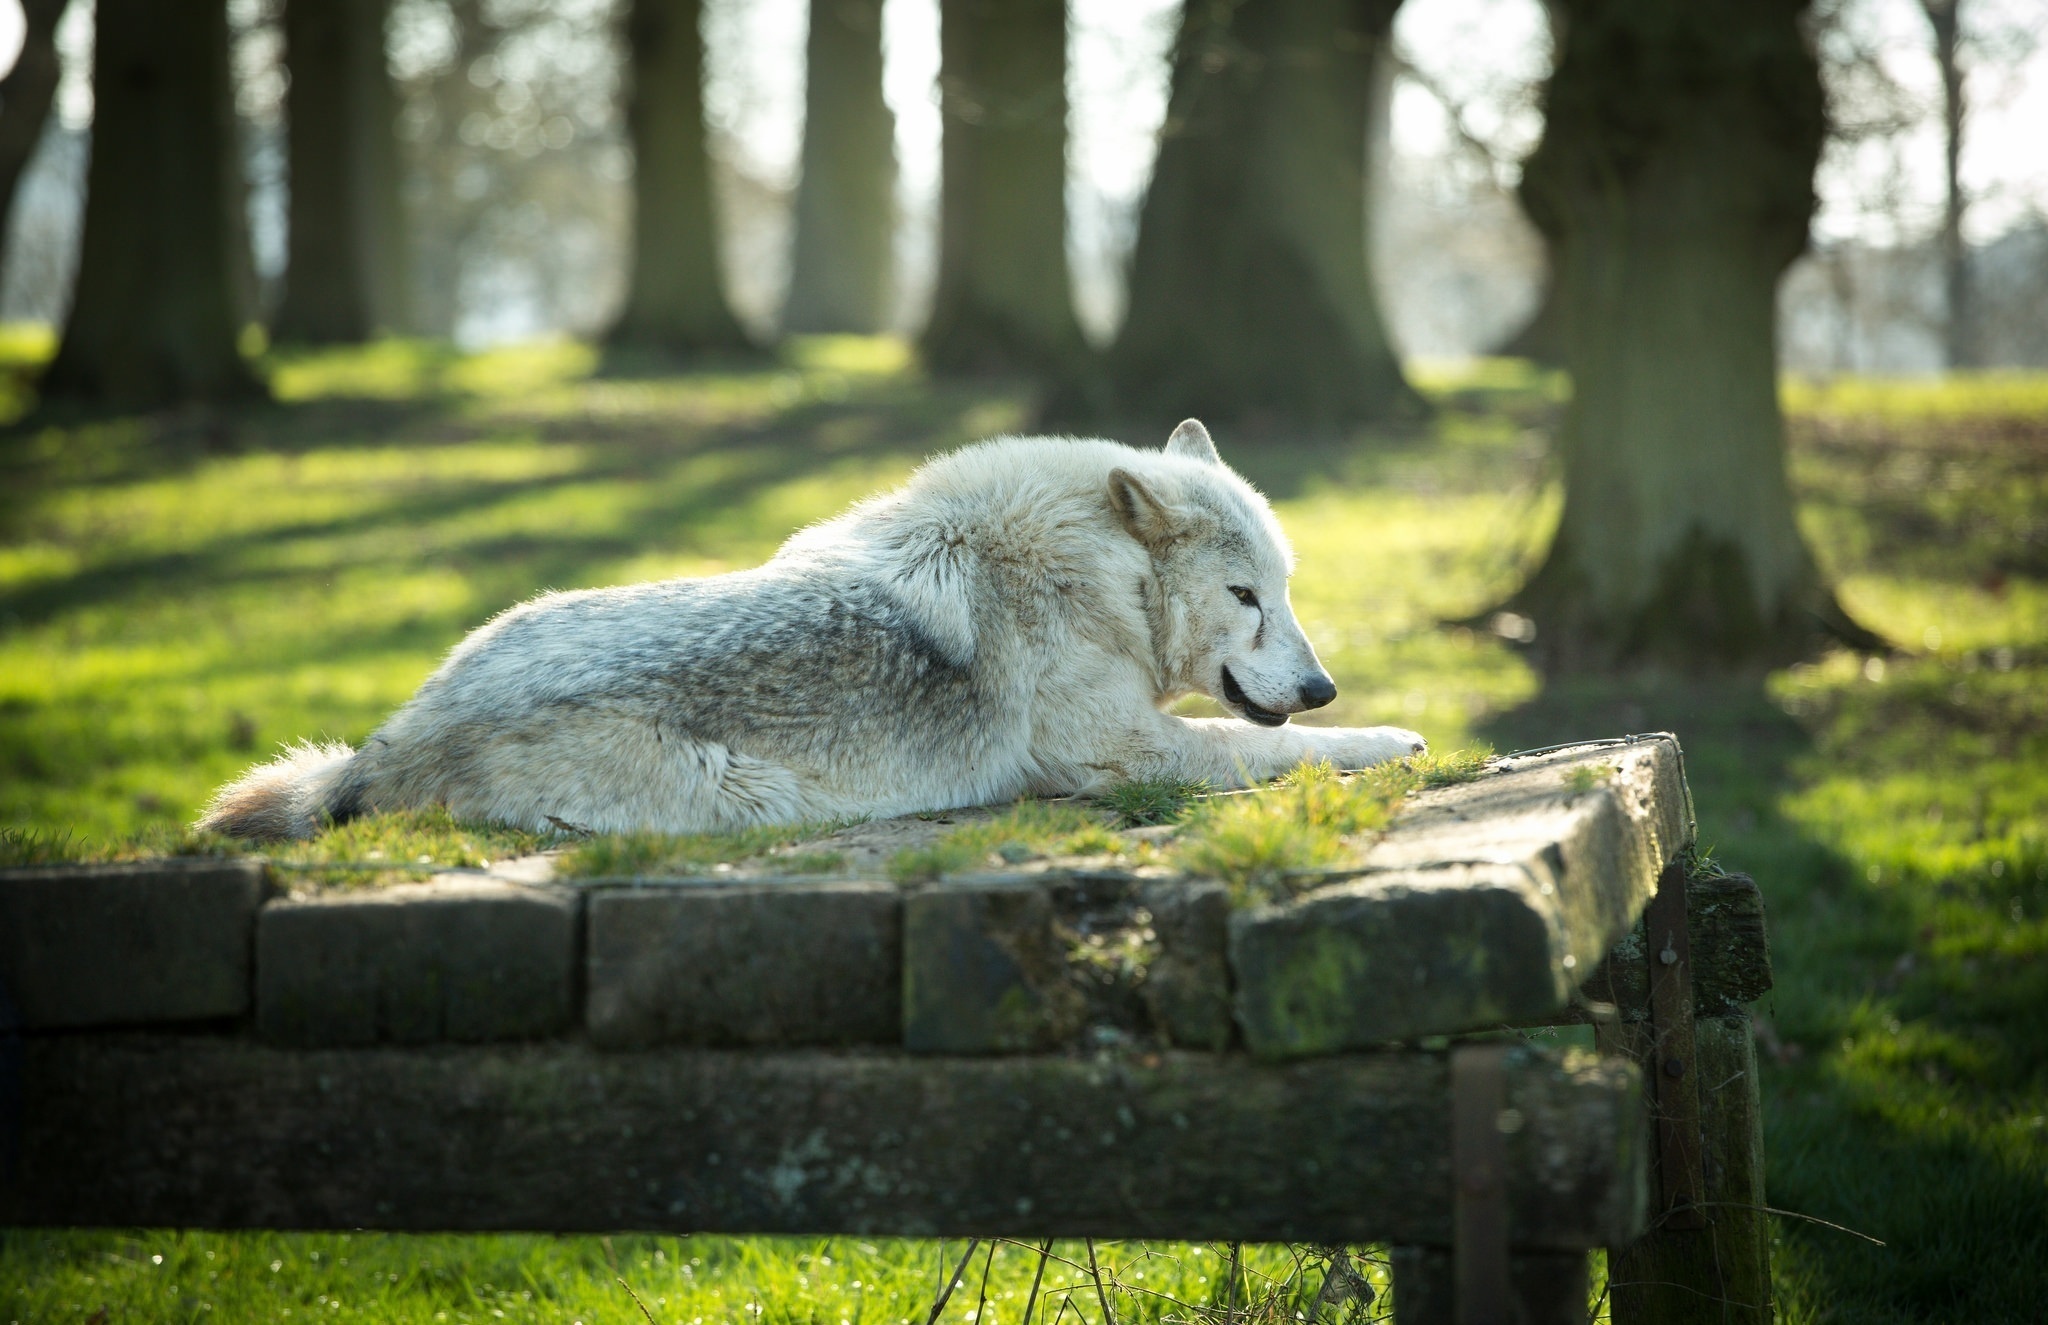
1244, 595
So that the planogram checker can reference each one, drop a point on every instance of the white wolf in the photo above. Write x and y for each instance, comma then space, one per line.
1012, 621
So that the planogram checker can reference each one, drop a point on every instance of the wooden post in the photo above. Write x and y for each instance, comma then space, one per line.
1706, 1256
1720, 1271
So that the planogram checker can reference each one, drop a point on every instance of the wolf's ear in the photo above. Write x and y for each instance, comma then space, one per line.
1148, 519
1191, 439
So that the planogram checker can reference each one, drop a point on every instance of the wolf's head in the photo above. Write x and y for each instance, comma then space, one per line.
1221, 622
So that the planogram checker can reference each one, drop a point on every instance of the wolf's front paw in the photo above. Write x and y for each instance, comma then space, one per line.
1362, 747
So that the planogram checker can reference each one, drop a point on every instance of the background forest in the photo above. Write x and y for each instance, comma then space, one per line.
515, 167
1615, 365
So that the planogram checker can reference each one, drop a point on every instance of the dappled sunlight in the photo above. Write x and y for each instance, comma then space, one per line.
1986, 393
608, 1281
1927, 614
214, 605
180, 596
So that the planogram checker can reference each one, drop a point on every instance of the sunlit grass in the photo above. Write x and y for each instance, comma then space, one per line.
1990, 393
1310, 819
1152, 804
1252, 839
663, 855
596, 1281
1030, 830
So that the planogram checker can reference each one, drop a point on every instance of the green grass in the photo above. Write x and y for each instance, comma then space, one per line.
1253, 840
1259, 842
679, 1280
1030, 830
655, 855
181, 593
1152, 804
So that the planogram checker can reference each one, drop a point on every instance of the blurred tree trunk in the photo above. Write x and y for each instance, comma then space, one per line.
153, 319
1959, 340
840, 278
1004, 301
675, 299
25, 96
1541, 338
343, 281
1675, 182
1250, 292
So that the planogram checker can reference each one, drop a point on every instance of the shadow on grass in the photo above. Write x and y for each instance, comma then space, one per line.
646, 452
805, 418
1902, 1083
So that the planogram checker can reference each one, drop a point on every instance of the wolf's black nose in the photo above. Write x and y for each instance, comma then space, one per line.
1316, 693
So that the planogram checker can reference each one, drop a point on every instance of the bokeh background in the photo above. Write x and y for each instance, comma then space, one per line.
516, 167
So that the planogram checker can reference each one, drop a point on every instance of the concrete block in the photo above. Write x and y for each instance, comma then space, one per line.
1591, 827
984, 970
1187, 987
745, 964
1363, 963
417, 964
130, 944
1486, 902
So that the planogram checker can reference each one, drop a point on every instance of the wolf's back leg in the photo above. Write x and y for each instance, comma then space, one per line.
619, 776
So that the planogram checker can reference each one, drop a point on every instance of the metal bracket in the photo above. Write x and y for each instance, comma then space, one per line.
1672, 1063
1479, 1199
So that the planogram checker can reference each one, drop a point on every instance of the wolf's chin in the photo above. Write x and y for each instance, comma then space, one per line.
1233, 695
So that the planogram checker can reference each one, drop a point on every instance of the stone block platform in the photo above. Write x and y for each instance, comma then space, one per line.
1068, 1052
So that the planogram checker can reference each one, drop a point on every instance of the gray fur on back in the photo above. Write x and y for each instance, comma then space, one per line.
991, 629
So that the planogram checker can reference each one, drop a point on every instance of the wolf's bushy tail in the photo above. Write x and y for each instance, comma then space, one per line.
292, 796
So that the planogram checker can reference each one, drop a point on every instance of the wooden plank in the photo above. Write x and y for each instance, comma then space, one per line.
1479, 1206
211, 1132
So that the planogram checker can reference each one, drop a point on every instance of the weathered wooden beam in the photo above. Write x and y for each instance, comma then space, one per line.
1730, 957
214, 1132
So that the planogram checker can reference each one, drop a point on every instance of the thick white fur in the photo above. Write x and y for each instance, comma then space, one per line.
1014, 620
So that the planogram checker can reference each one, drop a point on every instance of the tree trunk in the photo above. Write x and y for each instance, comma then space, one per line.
342, 281
1004, 301
846, 203
675, 300
1675, 182
25, 96
153, 319
1541, 338
1250, 292
1959, 340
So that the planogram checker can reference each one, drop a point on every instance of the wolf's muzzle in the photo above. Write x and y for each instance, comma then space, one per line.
1234, 695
